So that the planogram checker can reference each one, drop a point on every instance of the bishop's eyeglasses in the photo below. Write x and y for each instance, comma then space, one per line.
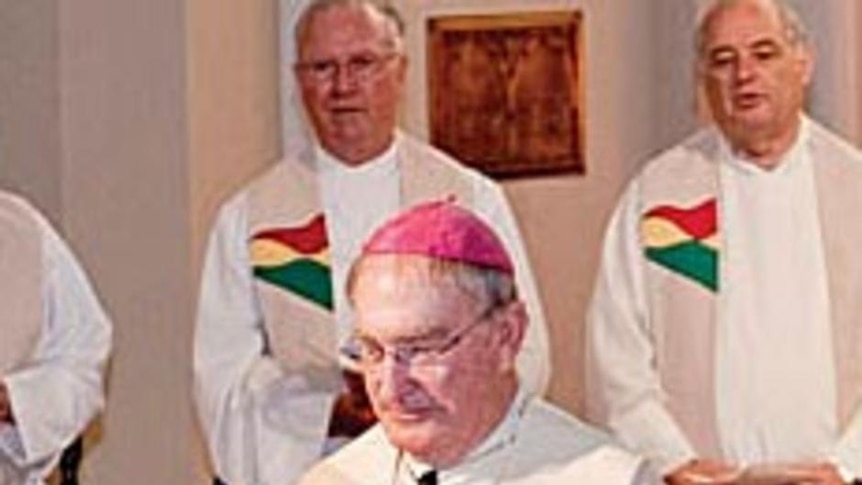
370, 353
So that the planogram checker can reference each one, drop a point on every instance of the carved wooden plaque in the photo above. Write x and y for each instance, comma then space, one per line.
506, 91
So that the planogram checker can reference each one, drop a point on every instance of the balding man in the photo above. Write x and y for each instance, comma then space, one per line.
725, 327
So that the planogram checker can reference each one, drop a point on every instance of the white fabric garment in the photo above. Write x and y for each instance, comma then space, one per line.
230, 367
373, 187
619, 308
774, 299
775, 377
536, 443
60, 390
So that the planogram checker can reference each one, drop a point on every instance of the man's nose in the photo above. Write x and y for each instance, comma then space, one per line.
745, 69
393, 377
344, 79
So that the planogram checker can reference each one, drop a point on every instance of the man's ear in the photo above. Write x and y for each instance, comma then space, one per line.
513, 322
402, 65
806, 60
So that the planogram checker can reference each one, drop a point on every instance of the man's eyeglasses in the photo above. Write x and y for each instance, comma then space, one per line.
370, 353
359, 67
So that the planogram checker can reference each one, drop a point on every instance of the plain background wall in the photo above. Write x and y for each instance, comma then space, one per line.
128, 121
29, 101
125, 179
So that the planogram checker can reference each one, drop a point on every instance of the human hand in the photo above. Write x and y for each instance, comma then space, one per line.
821, 473
790, 474
703, 472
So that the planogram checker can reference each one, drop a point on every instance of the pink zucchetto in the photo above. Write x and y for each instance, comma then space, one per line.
441, 230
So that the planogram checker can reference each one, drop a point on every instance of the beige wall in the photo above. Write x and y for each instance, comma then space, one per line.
128, 121
234, 112
93, 113
29, 101
124, 177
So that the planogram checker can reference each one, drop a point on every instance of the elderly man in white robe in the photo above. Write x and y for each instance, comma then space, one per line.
272, 312
725, 327
438, 326
54, 341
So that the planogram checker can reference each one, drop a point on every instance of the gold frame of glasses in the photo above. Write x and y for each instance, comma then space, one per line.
506, 91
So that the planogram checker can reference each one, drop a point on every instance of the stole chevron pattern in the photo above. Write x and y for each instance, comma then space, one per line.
295, 259
684, 241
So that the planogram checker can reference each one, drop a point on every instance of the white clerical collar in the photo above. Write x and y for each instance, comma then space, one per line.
330, 164
794, 157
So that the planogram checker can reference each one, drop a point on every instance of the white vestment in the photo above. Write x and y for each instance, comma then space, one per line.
535, 444
774, 299
58, 389
736, 359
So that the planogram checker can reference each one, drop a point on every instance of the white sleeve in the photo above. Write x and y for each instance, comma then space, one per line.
239, 389
56, 395
534, 361
848, 450
623, 387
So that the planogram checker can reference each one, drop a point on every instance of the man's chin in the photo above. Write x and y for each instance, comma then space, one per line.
753, 119
749, 127
408, 430
419, 444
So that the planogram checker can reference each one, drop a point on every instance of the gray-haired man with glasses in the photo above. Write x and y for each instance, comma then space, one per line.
273, 314
438, 325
